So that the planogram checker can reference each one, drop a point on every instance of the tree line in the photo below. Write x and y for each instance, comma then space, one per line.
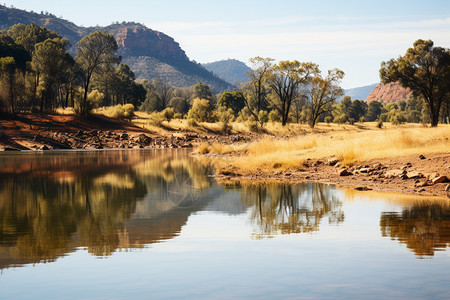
39, 74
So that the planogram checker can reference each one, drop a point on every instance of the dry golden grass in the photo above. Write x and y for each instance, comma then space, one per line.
349, 146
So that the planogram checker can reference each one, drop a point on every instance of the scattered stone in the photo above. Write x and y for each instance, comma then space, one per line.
377, 166
124, 136
394, 173
345, 172
332, 161
364, 170
318, 163
422, 156
421, 190
440, 179
338, 164
44, 148
414, 174
425, 183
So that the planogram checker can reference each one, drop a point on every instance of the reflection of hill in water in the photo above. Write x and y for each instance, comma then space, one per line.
423, 228
98, 203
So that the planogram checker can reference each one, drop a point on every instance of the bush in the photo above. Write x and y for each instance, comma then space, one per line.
200, 111
168, 114
156, 119
93, 100
251, 124
192, 123
380, 124
328, 119
263, 117
274, 116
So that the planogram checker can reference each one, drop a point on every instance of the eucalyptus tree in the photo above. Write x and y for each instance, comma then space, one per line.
53, 64
95, 52
322, 92
256, 88
425, 69
286, 81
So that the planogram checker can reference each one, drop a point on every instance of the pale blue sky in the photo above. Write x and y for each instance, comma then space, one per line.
354, 36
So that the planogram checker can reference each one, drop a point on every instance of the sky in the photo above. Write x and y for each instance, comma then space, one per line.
354, 36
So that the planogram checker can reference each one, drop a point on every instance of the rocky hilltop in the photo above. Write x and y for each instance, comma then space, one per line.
149, 53
388, 93
231, 70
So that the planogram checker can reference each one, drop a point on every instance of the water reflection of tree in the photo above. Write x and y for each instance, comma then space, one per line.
285, 209
43, 216
424, 228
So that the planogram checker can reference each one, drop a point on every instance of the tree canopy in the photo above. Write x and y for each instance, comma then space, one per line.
425, 69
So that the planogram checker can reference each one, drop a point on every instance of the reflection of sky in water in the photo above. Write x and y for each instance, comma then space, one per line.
219, 251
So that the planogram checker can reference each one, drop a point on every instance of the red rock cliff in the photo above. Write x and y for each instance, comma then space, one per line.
138, 40
387, 93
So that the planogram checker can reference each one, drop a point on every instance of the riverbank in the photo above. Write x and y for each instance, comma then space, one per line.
414, 174
55, 131
406, 159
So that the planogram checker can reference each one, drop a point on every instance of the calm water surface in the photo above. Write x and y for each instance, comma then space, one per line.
153, 224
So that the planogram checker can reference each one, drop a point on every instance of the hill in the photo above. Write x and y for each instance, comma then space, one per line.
149, 53
231, 70
360, 93
388, 93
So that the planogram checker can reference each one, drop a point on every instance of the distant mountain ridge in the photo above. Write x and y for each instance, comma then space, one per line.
149, 53
231, 70
360, 93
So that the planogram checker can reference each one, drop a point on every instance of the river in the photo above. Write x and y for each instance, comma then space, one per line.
153, 224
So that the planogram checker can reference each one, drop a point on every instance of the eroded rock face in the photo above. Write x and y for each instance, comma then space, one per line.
138, 40
388, 93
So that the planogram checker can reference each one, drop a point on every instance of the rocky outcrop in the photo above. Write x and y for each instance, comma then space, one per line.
138, 40
150, 53
389, 93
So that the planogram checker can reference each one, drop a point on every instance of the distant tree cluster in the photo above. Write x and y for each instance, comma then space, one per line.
38, 74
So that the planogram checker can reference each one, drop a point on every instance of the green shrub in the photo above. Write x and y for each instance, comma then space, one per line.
200, 111
263, 117
156, 119
168, 114
251, 124
274, 116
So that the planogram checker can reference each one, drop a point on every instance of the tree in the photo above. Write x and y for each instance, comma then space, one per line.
234, 100
374, 111
424, 69
8, 71
159, 95
202, 91
323, 92
95, 53
30, 35
256, 89
358, 109
285, 80
51, 62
